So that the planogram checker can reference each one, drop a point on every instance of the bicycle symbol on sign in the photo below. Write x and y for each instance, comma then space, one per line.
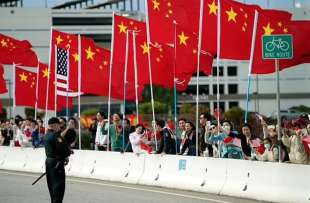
277, 43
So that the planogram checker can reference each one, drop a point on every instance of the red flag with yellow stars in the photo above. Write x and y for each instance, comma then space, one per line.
25, 80
187, 54
269, 26
42, 90
163, 13
121, 25
68, 42
3, 88
95, 68
16, 51
237, 20
162, 70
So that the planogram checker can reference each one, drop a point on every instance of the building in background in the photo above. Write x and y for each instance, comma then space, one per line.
32, 21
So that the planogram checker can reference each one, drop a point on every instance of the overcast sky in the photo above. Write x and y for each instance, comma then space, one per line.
288, 4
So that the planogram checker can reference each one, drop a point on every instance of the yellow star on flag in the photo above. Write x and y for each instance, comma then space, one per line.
268, 30
45, 73
90, 54
4, 43
122, 28
183, 38
105, 63
155, 5
231, 15
285, 30
212, 8
146, 49
76, 57
23, 77
59, 40
280, 24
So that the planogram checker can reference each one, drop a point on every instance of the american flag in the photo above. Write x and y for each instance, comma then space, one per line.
62, 74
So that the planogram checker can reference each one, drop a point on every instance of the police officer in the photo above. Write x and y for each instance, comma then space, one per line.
57, 152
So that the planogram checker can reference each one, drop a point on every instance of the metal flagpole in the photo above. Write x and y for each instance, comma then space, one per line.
48, 78
68, 81
110, 82
198, 69
278, 98
136, 73
55, 79
250, 66
174, 84
37, 91
14, 88
150, 71
79, 88
218, 60
125, 84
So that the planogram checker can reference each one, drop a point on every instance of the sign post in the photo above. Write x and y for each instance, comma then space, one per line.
277, 47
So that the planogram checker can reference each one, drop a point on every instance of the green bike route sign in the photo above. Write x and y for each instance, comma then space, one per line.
277, 46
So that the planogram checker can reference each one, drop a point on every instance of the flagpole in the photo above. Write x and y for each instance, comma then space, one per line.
136, 73
14, 88
55, 80
198, 69
150, 71
174, 83
68, 82
125, 84
37, 92
48, 78
250, 66
79, 88
110, 81
218, 60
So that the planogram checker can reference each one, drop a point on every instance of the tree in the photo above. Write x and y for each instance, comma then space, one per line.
236, 116
300, 109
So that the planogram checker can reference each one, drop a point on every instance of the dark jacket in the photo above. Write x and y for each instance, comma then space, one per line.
167, 142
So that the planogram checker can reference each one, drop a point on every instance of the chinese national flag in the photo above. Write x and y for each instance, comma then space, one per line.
187, 54
95, 68
16, 51
25, 80
67, 42
162, 14
3, 88
268, 26
44, 73
237, 22
159, 63
121, 25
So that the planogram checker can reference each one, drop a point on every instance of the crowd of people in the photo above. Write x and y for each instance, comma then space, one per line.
214, 139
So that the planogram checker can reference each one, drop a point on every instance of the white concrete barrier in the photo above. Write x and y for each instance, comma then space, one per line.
152, 169
238, 173
35, 160
81, 163
110, 166
3, 154
15, 159
135, 167
278, 182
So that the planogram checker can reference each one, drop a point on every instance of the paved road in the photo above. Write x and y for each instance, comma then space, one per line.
15, 187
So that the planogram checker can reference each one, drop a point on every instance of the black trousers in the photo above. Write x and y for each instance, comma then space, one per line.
56, 179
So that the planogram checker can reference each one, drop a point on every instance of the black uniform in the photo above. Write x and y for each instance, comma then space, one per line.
57, 152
